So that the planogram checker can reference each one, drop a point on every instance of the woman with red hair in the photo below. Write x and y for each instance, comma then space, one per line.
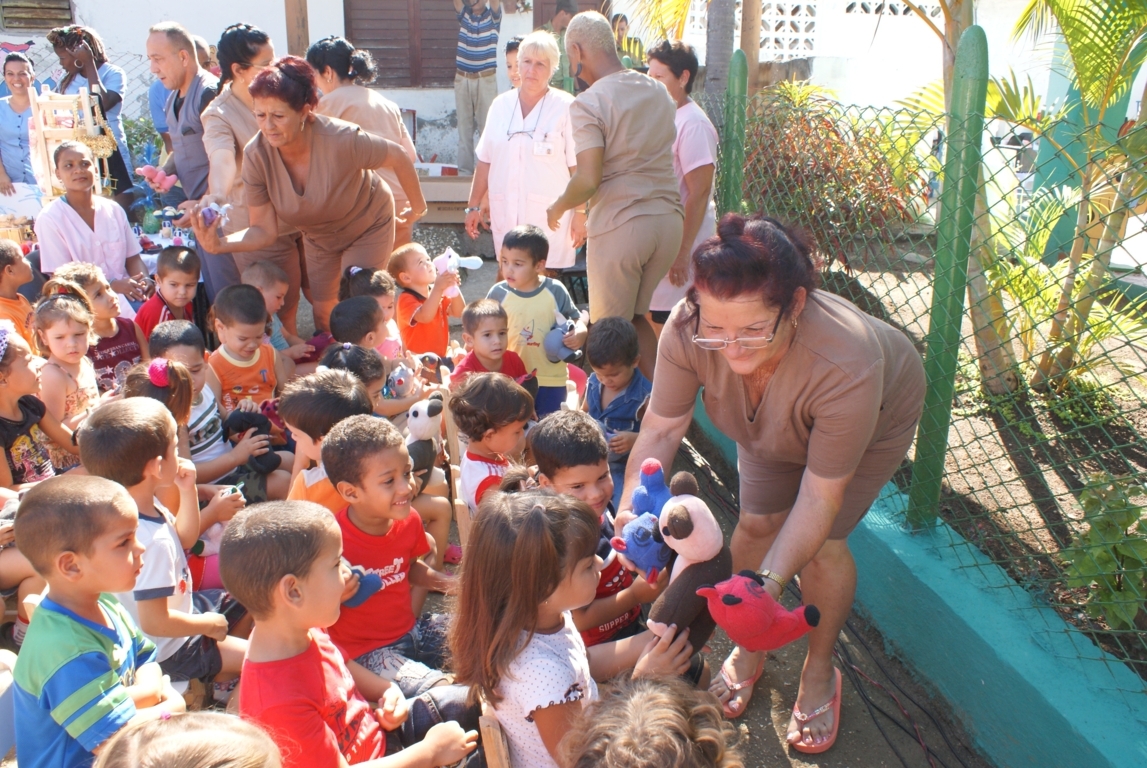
822, 401
318, 174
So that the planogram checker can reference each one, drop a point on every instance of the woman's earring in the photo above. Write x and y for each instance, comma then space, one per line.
303, 124
794, 322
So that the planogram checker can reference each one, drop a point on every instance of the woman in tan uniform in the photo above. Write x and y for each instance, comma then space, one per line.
823, 402
342, 72
228, 124
318, 174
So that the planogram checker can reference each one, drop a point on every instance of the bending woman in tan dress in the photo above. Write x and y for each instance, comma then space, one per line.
318, 174
228, 125
822, 401
342, 71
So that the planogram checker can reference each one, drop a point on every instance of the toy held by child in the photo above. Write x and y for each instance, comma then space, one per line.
450, 261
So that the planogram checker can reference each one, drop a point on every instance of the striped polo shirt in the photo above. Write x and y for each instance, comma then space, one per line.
478, 39
71, 679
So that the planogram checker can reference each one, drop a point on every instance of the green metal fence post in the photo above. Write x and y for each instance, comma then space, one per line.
733, 140
953, 239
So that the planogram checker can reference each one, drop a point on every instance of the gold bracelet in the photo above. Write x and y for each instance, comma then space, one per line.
774, 576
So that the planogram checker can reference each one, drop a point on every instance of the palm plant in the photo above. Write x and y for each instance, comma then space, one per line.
1105, 43
665, 19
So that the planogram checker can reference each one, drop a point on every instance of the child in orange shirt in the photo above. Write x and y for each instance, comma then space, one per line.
249, 369
14, 272
311, 406
424, 310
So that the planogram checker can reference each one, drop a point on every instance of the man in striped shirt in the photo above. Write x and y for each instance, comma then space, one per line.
475, 84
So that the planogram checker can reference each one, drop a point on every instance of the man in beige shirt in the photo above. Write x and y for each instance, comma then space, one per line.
624, 130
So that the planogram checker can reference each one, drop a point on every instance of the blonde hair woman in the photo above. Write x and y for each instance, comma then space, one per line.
526, 156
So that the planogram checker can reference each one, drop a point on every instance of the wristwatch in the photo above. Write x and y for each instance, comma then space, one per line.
471, 210
773, 576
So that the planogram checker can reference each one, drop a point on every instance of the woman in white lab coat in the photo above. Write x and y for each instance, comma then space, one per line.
526, 156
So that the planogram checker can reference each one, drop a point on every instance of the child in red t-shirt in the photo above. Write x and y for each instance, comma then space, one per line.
282, 561
485, 327
424, 309
572, 457
367, 461
176, 280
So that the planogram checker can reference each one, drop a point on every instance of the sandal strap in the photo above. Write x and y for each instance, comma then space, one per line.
734, 687
803, 718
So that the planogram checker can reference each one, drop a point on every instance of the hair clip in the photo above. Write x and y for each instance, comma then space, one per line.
352, 271
5, 333
347, 346
157, 372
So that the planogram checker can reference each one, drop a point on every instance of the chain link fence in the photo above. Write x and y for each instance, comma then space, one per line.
1046, 459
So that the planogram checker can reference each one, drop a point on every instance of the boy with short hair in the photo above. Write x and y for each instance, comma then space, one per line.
484, 330
571, 455
424, 309
531, 300
491, 410
176, 280
283, 561
274, 283
367, 461
358, 320
85, 670
616, 390
249, 369
216, 460
15, 271
311, 407
134, 442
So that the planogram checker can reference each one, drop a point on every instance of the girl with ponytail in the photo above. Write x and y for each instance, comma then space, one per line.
531, 559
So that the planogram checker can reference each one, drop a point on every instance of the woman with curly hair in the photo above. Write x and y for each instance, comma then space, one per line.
85, 62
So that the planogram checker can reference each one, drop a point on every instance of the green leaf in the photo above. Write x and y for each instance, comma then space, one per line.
1136, 548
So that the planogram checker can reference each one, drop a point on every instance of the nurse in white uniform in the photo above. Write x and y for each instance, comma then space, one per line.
526, 156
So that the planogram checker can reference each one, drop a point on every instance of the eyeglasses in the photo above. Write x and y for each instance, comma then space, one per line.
745, 342
537, 118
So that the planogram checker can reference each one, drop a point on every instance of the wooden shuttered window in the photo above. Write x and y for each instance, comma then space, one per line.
412, 41
35, 14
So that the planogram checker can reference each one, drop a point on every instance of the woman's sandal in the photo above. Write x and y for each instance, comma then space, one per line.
802, 718
734, 687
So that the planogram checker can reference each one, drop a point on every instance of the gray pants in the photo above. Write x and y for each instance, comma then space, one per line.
472, 97
219, 271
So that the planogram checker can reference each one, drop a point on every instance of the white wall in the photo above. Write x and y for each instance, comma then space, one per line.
123, 24
325, 18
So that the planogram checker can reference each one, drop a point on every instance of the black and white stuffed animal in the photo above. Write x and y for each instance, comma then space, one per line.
424, 429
